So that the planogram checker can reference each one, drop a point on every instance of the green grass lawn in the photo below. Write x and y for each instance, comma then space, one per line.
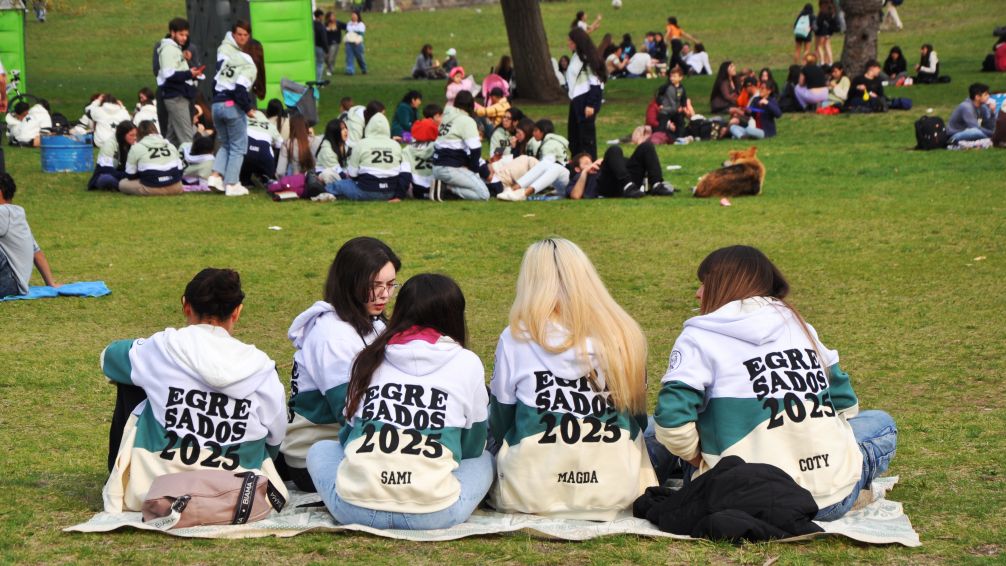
897, 257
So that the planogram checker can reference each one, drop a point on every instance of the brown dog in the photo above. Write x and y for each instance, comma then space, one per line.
741, 175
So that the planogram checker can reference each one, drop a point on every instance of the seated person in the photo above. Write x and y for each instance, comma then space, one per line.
459, 83
420, 464
928, 69
296, 156
458, 151
25, 124
451, 62
105, 113
613, 62
570, 364
419, 153
719, 396
658, 50
110, 165
550, 171
264, 142
153, 166
18, 249
189, 376
426, 67
895, 67
867, 90
640, 65
327, 338
757, 119
973, 119
838, 86
499, 141
996, 61
492, 116
333, 153
673, 105
614, 176
406, 113
813, 86
696, 59
375, 167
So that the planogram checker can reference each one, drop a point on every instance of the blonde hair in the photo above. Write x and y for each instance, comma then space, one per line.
558, 284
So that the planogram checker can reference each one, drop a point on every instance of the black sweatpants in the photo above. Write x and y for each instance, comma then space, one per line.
582, 135
617, 171
127, 397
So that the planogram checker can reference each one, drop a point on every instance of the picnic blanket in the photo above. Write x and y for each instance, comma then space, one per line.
79, 289
880, 521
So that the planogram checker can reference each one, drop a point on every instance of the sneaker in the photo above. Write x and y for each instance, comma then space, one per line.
512, 195
235, 191
215, 182
662, 189
631, 190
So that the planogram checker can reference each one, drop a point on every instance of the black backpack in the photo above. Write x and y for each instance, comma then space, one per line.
931, 133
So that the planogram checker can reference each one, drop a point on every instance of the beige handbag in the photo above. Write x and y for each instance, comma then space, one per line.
209, 497
352, 37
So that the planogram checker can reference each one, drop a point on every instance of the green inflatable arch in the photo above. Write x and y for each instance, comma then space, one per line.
284, 27
12, 42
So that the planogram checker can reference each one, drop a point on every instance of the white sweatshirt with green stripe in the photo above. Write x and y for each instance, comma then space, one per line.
213, 403
565, 451
326, 347
424, 411
746, 381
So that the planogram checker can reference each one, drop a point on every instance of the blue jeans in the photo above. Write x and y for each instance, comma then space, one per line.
474, 474
354, 51
877, 436
349, 190
970, 134
231, 125
664, 463
462, 182
8, 280
319, 63
740, 132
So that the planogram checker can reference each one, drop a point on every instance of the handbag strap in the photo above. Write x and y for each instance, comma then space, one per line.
246, 497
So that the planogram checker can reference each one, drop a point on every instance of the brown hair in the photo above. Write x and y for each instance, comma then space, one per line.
299, 133
738, 272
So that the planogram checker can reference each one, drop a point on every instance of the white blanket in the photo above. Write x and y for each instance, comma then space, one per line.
880, 522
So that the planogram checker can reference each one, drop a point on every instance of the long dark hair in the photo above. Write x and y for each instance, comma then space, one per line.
579, 16
120, 137
275, 109
299, 133
723, 76
372, 108
350, 279
588, 53
427, 300
527, 126
333, 135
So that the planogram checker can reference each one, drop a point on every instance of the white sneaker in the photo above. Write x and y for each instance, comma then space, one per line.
235, 191
215, 182
512, 195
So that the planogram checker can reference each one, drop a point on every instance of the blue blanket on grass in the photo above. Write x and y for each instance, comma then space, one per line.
81, 289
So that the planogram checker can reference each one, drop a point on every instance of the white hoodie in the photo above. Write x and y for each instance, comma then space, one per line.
746, 381
564, 449
213, 402
326, 349
424, 411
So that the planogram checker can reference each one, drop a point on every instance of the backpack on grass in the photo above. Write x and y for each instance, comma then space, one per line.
931, 133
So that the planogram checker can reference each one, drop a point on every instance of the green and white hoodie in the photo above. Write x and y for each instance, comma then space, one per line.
420, 158
326, 349
565, 451
375, 163
154, 161
555, 146
213, 403
746, 381
235, 75
424, 411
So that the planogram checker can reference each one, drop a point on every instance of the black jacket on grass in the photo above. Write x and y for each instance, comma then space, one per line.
734, 501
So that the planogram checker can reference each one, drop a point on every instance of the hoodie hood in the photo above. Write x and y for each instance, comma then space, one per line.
757, 320
229, 41
218, 359
555, 139
305, 321
423, 354
568, 364
377, 127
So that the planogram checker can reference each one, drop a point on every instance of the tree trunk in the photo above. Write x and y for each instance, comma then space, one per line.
532, 61
862, 20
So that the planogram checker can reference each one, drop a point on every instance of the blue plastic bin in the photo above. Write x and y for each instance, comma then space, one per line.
67, 154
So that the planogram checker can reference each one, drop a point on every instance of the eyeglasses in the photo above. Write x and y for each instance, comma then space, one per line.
379, 289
